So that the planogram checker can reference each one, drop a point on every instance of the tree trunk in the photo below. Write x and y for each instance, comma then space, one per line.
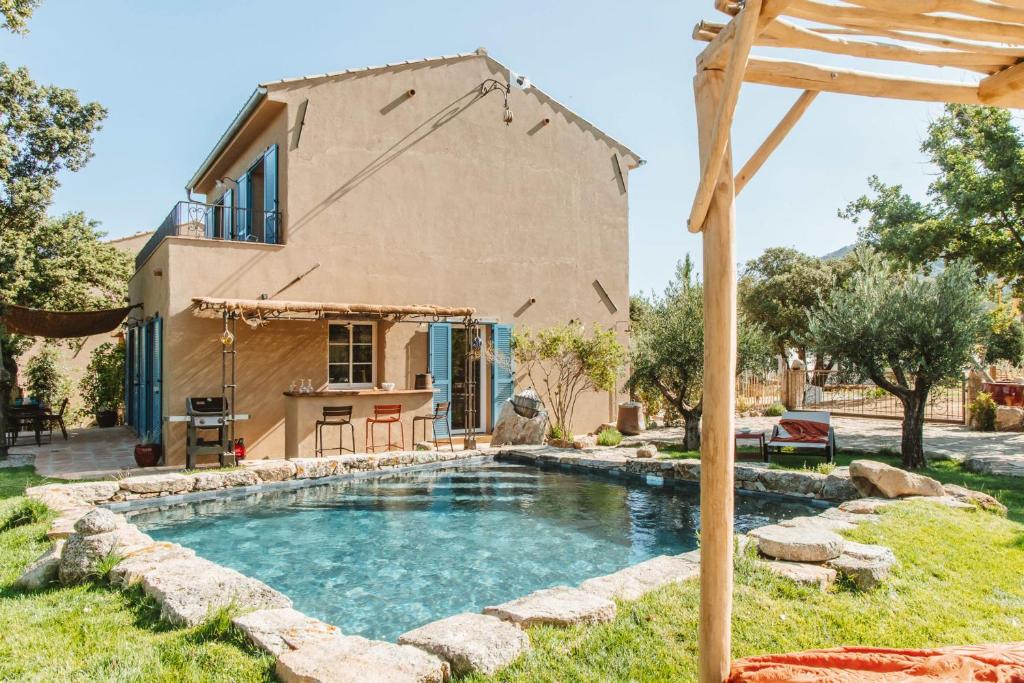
6, 384
912, 445
691, 430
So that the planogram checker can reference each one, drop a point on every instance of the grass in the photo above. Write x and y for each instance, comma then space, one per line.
959, 581
93, 633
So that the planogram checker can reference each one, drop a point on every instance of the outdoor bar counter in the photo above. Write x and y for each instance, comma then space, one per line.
301, 411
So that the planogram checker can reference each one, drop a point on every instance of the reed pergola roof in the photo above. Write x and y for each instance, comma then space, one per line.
270, 309
981, 41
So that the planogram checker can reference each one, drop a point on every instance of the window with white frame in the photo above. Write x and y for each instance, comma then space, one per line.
351, 355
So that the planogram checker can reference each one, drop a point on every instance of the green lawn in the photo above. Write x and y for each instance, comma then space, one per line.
93, 633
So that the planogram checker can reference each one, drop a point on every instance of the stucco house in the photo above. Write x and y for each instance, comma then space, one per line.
393, 187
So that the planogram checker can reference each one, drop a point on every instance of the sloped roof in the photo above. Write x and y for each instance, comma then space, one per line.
263, 88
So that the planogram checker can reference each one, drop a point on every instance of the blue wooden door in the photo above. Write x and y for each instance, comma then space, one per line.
502, 370
141, 399
129, 376
155, 434
440, 362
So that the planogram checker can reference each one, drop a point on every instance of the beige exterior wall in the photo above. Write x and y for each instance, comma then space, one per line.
401, 200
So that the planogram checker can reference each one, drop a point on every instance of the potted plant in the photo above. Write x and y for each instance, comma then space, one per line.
148, 454
103, 384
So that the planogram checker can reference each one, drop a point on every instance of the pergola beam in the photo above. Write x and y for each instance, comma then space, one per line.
747, 26
1003, 85
1015, 51
774, 139
788, 74
717, 53
974, 8
948, 26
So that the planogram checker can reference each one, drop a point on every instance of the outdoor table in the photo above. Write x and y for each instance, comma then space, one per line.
752, 436
21, 415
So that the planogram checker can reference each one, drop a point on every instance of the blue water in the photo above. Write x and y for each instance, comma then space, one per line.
377, 557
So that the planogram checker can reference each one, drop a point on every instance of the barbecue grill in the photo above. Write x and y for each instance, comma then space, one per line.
207, 429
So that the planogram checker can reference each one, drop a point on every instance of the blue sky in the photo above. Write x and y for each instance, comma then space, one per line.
173, 74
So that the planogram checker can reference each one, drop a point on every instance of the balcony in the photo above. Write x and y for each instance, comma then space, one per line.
215, 222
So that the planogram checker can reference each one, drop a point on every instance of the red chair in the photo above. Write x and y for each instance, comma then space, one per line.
388, 414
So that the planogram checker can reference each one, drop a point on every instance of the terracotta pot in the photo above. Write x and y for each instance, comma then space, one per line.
106, 418
148, 454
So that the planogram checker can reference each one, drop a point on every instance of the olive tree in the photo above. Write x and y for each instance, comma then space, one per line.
668, 349
563, 362
905, 332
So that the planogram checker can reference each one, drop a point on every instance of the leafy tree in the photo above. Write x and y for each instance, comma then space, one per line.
46, 382
906, 333
668, 349
16, 14
1006, 336
975, 210
564, 362
102, 386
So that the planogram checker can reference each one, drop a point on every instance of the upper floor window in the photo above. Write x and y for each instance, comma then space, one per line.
351, 355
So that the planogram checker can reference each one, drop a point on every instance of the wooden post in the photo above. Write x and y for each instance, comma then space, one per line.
716, 471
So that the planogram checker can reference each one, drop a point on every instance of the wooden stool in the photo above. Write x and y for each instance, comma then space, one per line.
388, 414
440, 415
339, 416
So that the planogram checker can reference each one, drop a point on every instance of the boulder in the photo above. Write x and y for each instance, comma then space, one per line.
865, 506
559, 606
97, 521
43, 570
470, 643
839, 486
867, 566
632, 583
648, 450
865, 551
352, 659
64, 524
513, 429
82, 553
584, 442
271, 470
136, 564
215, 479
878, 479
796, 544
1009, 418
804, 574
190, 590
169, 483
283, 629
982, 500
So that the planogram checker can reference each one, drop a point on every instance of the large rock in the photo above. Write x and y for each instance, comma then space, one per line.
878, 479
190, 590
865, 506
801, 483
632, 583
43, 570
559, 606
514, 430
314, 468
982, 500
797, 544
838, 486
169, 483
1009, 418
648, 450
214, 479
284, 629
97, 521
470, 643
352, 659
82, 553
271, 470
867, 566
584, 442
82, 492
64, 524
804, 574
137, 564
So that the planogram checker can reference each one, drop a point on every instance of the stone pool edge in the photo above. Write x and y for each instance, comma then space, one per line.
306, 647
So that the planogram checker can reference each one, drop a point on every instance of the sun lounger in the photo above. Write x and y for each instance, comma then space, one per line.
807, 431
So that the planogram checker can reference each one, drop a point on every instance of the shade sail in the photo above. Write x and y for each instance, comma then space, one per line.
211, 307
35, 322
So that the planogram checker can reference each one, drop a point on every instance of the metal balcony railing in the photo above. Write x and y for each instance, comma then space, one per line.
214, 222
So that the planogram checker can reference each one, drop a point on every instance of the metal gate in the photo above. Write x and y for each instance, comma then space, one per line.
844, 393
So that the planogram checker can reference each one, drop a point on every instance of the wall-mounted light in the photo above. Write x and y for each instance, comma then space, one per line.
489, 86
220, 184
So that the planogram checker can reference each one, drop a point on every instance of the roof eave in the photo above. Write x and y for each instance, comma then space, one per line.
241, 117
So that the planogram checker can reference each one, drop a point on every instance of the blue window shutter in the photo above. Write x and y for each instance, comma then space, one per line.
211, 222
129, 376
242, 217
502, 370
229, 225
156, 384
270, 208
440, 362
141, 404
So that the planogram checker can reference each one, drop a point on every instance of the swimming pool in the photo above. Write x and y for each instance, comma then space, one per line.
379, 556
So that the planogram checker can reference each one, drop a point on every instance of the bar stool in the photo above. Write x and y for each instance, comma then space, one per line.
388, 414
440, 415
335, 416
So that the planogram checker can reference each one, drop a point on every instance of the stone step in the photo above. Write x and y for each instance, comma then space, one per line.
559, 606
816, 575
470, 643
284, 629
352, 659
632, 583
797, 544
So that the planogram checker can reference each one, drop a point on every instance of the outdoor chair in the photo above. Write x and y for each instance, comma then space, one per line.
388, 414
809, 431
28, 417
50, 419
440, 414
335, 416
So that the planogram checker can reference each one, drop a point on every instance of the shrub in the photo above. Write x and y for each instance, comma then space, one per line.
44, 379
775, 410
983, 412
27, 512
609, 437
103, 384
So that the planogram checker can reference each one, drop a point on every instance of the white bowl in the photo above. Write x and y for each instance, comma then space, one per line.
387, 386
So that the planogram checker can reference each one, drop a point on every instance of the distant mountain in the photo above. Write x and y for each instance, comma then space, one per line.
839, 253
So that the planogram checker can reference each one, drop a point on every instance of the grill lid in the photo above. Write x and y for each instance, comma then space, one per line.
205, 405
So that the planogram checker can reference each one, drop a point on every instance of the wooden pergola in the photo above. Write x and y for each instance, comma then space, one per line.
981, 40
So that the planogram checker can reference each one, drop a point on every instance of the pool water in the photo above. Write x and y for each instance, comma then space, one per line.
377, 557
